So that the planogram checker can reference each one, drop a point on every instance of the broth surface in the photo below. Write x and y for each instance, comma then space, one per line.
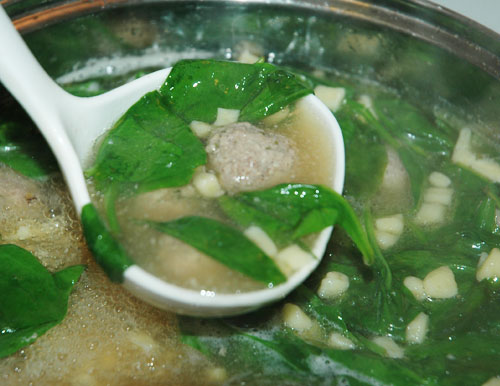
359, 336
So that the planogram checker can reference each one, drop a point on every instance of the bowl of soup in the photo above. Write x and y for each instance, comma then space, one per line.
415, 90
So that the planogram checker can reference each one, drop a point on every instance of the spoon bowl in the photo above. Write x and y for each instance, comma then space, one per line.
71, 126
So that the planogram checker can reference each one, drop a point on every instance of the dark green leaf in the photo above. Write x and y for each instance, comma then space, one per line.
297, 208
226, 245
148, 128
33, 300
24, 150
106, 250
195, 89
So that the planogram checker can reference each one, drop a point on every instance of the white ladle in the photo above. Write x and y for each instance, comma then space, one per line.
71, 125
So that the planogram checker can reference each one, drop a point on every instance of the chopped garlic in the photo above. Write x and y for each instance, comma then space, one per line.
489, 268
333, 285
388, 230
276, 118
216, 375
226, 117
207, 185
200, 129
292, 258
462, 154
261, 239
367, 101
441, 196
439, 180
332, 97
416, 287
23, 232
391, 348
144, 341
295, 318
430, 214
440, 283
247, 57
416, 330
392, 224
495, 381
385, 240
340, 342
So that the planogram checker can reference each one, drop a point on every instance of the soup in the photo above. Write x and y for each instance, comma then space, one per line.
195, 185
421, 176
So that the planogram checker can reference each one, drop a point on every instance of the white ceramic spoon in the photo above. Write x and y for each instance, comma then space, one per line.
71, 125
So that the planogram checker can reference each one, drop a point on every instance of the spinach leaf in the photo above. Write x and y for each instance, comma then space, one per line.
225, 244
366, 154
110, 255
33, 300
149, 148
23, 149
195, 89
297, 210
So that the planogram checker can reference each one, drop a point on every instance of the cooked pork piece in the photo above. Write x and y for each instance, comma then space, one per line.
245, 157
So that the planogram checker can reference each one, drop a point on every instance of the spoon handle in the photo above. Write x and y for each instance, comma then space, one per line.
21, 73
43, 100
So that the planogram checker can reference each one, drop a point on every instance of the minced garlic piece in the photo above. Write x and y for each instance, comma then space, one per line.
340, 342
333, 285
295, 318
416, 287
439, 180
276, 118
436, 200
391, 348
144, 341
367, 101
247, 57
416, 331
216, 375
261, 239
388, 230
200, 129
489, 268
385, 240
436, 195
207, 185
495, 381
226, 117
463, 155
430, 214
332, 97
292, 258
440, 283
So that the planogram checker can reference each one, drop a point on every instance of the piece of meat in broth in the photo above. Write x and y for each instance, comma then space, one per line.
245, 157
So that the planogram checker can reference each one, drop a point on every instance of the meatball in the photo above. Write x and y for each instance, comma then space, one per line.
245, 157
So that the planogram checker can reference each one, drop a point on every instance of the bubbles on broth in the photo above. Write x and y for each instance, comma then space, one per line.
108, 336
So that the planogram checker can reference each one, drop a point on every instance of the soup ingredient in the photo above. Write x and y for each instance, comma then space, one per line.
291, 211
248, 158
33, 300
20, 149
241, 157
225, 244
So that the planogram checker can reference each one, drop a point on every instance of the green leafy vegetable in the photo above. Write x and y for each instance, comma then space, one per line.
195, 89
33, 300
226, 245
149, 147
291, 211
24, 149
106, 250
